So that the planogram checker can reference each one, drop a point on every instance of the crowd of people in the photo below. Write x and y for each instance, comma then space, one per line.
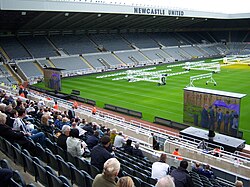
18, 124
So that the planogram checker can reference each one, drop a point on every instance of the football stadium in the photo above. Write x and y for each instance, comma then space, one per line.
145, 89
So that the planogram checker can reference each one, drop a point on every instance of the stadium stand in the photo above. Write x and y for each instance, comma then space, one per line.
110, 42
30, 68
35, 44
73, 44
140, 40
156, 55
13, 48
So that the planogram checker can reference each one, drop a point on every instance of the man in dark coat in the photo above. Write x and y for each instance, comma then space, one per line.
181, 176
100, 154
204, 117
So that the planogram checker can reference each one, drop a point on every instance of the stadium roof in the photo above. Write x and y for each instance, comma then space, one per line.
54, 15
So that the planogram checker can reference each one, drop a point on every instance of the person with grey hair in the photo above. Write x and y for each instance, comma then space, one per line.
238, 184
111, 169
166, 181
136, 151
61, 140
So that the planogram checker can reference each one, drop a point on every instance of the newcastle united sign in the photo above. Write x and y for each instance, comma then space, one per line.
157, 11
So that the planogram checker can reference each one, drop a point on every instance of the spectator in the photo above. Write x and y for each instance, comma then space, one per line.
160, 168
125, 182
207, 172
94, 110
33, 134
93, 140
58, 122
216, 152
5, 176
14, 136
238, 184
128, 148
88, 127
81, 131
111, 169
100, 154
181, 176
166, 181
202, 145
71, 112
45, 123
120, 140
113, 135
74, 145
197, 167
61, 140
56, 107
156, 145
177, 154
137, 152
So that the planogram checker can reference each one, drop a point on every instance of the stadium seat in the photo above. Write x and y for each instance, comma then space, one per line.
28, 164
52, 160
18, 179
5, 164
54, 181
64, 168
41, 153
41, 175
94, 171
78, 178
83, 164
71, 159
61, 152
51, 145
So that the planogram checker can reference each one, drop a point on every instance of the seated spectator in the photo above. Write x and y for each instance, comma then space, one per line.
137, 152
207, 172
111, 169
197, 167
238, 184
202, 145
96, 127
160, 168
166, 181
128, 148
74, 145
88, 127
46, 125
81, 131
62, 138
93, 140
100, 154
177, 154
58, 122
181, 175
120, 140
11, 115
113, 135
216, 152
5, 176
34, 134
14, 136
125, 182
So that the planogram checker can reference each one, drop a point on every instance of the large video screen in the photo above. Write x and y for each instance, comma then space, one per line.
52, 79
212, 111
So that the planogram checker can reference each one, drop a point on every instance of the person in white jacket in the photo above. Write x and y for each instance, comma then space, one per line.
74, 145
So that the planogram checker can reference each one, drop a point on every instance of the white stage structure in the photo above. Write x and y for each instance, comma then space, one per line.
212, 67
202, 76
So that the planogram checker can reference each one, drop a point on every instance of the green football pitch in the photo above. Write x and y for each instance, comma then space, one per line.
162, 101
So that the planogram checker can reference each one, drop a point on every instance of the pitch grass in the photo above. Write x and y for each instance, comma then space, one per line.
162, 101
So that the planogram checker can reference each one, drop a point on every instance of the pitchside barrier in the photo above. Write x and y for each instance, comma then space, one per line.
123, 110
169, 123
